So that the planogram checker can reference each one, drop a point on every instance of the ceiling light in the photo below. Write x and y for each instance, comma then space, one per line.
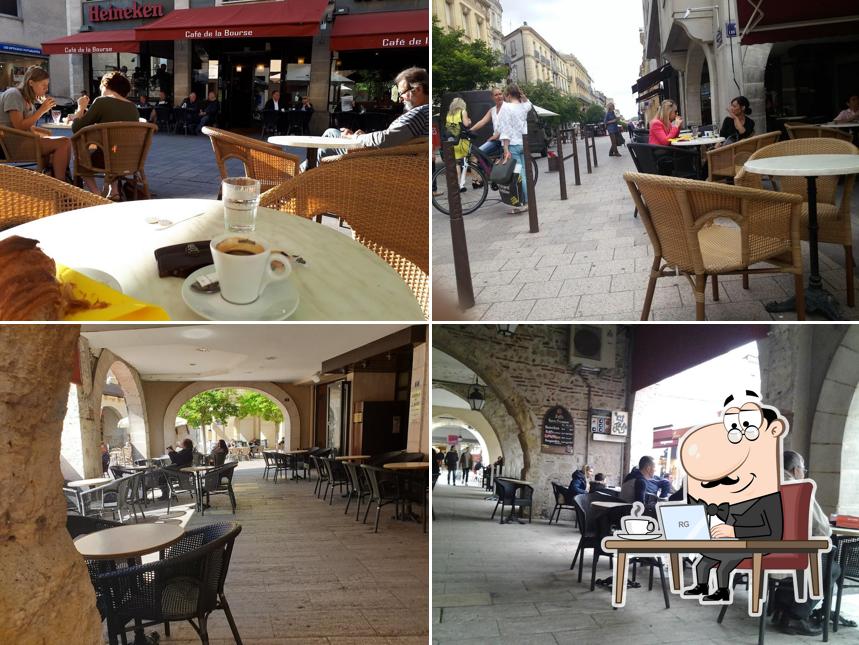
506, 330
477, 396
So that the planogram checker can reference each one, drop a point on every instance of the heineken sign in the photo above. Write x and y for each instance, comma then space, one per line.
137, 11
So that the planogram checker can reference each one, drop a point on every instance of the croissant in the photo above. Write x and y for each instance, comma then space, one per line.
29, 289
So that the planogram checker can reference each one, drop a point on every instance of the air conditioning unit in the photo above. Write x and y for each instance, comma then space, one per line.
593, 345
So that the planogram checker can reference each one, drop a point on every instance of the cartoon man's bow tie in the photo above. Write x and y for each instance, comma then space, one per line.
720, 510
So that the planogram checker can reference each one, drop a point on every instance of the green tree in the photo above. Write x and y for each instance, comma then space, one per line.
594, 114
459, 65
549, 97
207, 407
254, 404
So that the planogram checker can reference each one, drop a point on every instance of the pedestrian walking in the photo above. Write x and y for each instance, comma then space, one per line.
451, 461
512, 126
465, 463
613, 130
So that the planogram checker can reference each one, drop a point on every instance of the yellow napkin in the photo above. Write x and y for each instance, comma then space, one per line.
119, 306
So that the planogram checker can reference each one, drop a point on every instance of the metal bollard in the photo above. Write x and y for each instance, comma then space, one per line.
561, 175
462, 267
575, 158
588, 131
532, 195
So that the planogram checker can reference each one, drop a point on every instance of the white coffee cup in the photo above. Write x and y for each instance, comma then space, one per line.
638, 525
245, 271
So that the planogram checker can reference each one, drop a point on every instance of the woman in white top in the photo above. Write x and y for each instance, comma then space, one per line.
512, 125
492, 145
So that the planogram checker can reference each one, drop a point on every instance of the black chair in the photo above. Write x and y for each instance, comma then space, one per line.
322, 474
563, 501
78, 525
591, 537
269, 463
640, 136
336, 477
384, 458
383, 491
220, 482
359, 488
848, 558
281, 464
187, 583
270, 123
164, 118
666, 160
178, 482
506, 492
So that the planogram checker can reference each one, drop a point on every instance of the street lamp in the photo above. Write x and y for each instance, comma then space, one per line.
506, 330
477, 396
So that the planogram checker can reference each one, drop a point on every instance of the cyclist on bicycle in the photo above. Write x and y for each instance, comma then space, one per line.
455, 123
492, 146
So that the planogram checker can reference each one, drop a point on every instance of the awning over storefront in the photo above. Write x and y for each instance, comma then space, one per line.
257, 20
667, 438
652, 78
94, 42
380, 30
772, 21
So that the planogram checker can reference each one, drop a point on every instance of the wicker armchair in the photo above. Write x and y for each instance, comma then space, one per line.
680, 217
833, 219
123, 148
382, 194
21, 147
805, 131
725, 162
261, 160
187, 583
26, 195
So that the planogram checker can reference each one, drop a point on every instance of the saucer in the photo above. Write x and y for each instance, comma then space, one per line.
278, 301
638, 536
99, 276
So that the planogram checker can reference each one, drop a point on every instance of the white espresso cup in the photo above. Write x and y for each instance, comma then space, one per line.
638, 525
243, 265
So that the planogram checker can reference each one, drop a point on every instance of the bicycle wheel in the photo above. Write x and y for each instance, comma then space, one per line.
476, 189
534, 169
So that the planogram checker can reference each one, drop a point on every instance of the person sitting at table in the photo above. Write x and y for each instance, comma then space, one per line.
219, 453
188, 111
105, 457
636, 483
737, 125
306, 105
184, 457
851, 113
143, 102
665, 125
579, 481
413, 123
209, 113
110, 107
18, 110
598, 483
161, 102
274, 102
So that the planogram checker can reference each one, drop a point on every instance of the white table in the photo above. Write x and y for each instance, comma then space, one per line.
847, 124
342, 280
315, 143
611, 504
811, 167
57, 129
700, 141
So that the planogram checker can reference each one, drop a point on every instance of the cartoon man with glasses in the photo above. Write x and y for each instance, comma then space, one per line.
733, 468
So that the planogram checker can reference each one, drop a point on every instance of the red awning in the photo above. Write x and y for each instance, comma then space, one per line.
380, 30
775, 21
257, 20
94, 42
668, 438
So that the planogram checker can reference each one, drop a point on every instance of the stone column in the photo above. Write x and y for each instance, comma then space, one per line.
181, 62
320, 79
419, 437
46, 591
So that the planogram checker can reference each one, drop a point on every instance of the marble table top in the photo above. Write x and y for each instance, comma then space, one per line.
341, 280
854, 124
804, 165
701, 141
314, 142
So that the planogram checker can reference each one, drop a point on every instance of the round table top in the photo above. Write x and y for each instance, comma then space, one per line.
297, 141
791, 118
95, 481
845, 124
293, 452
804, 165
50, 125
700, 141
128, 541
408, 465
197, 469
342, 280
521, 482
611, 504
352, 457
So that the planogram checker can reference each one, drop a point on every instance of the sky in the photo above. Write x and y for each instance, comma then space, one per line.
602, 35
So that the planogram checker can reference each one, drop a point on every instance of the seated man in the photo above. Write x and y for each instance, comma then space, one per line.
274, 102
413, 123
209, 113
162, 102
184, 457
598, 483
636, 483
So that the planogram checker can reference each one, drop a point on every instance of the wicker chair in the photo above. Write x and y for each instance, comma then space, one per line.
262, 161
124, 147
805, 131
680, 217
26, 195
21, 147
187, 583
833, 218
382, 194
725, 162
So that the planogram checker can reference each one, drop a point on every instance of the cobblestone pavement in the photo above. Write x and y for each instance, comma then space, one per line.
511, 584
591, 259
303, 572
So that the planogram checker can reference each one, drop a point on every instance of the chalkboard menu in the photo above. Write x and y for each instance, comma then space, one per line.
558, 428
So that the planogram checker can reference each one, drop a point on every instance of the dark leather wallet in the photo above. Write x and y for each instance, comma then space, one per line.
181, 260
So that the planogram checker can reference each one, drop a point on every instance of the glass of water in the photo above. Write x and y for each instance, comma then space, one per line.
55, 115
695, 131
241, 198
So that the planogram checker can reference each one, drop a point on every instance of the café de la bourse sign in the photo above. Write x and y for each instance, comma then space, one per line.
123, 14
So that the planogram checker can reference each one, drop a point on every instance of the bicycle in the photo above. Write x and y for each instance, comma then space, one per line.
478, 171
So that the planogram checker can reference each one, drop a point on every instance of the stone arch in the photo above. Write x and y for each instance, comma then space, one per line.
695, 61
283, 401
110, 417
132, 387
475, 422
834, 451
502, 400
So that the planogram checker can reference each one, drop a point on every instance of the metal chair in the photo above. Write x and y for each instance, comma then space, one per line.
270, 123
359, 488
590, 538
848, 558
281, 465
269, 463
383, 491
336, 477
563, 501
220, 482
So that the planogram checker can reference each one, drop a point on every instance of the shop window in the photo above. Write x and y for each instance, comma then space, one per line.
10, 8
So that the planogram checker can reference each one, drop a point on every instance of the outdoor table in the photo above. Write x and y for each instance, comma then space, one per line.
128, 541
837, 533
313, 144
341, 280
811, 167
353, 458
843, 124
198, 472
700, 141
675, 547
520, 483
86, 483
611, 504
404, 468
293, 460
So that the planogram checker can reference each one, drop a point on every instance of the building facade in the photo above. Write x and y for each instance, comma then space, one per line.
478, 19
580, 81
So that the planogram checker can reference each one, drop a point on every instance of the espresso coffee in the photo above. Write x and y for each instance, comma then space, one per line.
240, 246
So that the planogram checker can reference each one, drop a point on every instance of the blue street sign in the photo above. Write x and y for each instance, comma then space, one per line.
11, 48
731, 29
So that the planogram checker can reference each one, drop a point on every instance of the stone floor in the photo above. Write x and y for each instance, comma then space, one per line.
591, 259
512, 584
303, 572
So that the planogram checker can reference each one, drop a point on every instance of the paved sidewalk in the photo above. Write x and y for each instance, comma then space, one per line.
511, 584
591, 258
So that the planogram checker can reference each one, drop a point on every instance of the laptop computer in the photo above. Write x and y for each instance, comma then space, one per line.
683, 522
